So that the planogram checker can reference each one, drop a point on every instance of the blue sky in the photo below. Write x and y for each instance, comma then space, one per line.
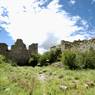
46, 21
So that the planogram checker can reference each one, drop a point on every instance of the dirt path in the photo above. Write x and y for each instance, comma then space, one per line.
42, 78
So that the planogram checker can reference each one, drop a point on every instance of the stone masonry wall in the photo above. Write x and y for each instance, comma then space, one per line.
3, 49
18, 52
80, 45
33, 48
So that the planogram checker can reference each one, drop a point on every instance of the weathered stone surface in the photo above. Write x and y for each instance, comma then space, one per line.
78, 45
33, 48
19, 53
3, 49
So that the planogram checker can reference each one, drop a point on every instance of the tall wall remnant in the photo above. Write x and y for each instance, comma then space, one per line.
33, 48
3, 49
18, 53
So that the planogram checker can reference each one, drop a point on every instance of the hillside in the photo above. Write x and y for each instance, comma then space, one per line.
46, 80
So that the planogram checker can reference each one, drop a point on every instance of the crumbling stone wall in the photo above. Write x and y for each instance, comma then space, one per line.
65, 45
79, 45
33, 48
19, 53
3, 49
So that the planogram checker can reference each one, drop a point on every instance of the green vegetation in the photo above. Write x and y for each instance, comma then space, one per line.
50, 57
45, 80
69, 59
44, 59
79, 60
89, 59
34, 59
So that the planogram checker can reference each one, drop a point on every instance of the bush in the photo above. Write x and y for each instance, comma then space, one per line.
50, 57
79, 60
68, 59
89, 59
33, 61
44, 59
3, 59
55, 55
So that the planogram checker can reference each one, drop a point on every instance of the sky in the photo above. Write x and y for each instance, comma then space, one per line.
46, 22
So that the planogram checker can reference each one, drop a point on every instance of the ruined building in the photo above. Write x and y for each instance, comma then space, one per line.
3, 49
18, 52
78, 45
33, 48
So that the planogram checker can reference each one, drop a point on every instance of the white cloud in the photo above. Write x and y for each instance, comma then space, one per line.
34, 24
54, 6
93, 1
72, 2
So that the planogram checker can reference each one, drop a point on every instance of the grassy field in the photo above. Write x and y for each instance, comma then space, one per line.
49, 80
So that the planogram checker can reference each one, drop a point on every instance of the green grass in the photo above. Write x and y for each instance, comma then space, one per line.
57, 81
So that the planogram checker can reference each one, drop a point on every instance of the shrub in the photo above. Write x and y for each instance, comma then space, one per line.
68, 59
50, 57
33, 61
89, 59
79, 60
55, 55
3, 59
44, 59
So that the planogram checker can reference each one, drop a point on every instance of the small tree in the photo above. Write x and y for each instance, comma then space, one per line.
55, 55
79, 60
44, 59
50, 57
33, 61
68, 59
89, 59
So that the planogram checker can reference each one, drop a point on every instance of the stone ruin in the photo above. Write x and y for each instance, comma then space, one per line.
3, 49
18, 52
78, 45
33, 48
